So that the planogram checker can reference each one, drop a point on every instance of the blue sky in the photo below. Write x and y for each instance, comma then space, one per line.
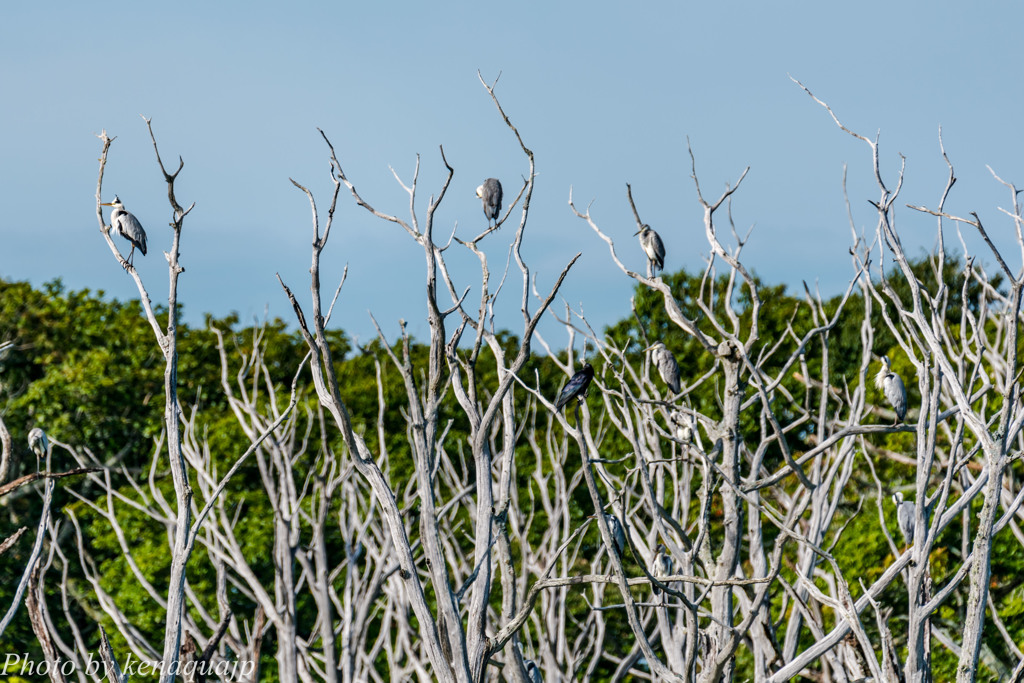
604, 93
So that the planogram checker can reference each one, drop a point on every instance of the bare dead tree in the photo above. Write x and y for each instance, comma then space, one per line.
958, 370
458, 648
210, 639
167, 340
749, 475
955, 371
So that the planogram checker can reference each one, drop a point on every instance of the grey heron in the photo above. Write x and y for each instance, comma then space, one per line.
652, 245
662, 565
39, 444
576, 387
666, 363
490, 194
904, 517
128, 226
533, 671
892, 386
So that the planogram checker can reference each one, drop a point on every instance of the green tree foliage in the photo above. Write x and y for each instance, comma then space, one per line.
88, 370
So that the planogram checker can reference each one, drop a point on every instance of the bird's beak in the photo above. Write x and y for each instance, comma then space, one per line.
638, 232
107, 204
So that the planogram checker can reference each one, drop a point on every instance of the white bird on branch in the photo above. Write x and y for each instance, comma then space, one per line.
892, 386
128, 226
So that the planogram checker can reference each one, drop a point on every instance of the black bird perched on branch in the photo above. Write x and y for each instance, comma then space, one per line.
576, 387
128, 226
891, 385
490, 194
652, 245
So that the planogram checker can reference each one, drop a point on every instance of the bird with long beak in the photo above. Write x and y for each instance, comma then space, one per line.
892, 386
128, 226
652, 245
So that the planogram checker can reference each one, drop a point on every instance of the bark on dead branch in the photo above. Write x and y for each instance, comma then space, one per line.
746, 481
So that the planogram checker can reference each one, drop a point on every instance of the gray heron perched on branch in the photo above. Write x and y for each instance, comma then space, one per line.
662, 565
490, 194
576, 387
128, 226
39, 444
892, 386
904, 517
666, 363
652, 245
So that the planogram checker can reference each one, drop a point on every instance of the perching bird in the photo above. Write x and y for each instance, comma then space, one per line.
39, 444
615, 529
892, 386
904, 517
662, 565
683, 426
576, 387
666, 363
618, 535
128, 226
652, 245
490, 194
533, 672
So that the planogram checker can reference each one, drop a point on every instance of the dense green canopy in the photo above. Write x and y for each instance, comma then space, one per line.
87, 369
